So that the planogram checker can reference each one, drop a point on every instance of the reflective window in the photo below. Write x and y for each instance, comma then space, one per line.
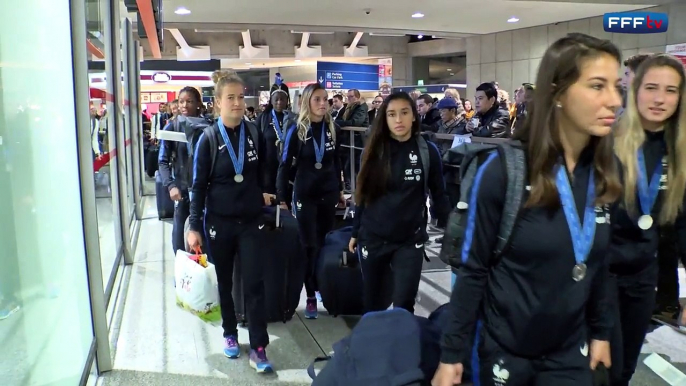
103, 140
45, 316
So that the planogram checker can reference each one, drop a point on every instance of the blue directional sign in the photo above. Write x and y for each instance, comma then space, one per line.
346, 76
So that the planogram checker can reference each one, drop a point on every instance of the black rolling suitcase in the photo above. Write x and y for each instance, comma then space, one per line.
284, 269
151, 160
339, 276
165, 205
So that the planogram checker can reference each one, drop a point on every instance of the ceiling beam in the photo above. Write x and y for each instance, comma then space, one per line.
148, 19
312, 29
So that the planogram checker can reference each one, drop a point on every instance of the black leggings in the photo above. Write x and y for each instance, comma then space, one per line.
229, 238
634, 304
404, 260
315, 219
181, 212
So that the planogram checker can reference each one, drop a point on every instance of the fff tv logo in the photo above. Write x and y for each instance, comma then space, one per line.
635, 22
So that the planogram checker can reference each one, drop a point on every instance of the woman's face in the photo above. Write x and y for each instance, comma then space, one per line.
658, 95
232, 102
468, 105
279, 101
589, 105
399, 118
188, 105
319, 103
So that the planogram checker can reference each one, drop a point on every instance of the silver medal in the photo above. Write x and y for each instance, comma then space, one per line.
645, 222
579, 272
318, 166
238, 178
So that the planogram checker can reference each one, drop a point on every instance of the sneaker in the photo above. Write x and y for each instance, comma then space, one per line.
259, 361
8, 311
311, 308
232, 349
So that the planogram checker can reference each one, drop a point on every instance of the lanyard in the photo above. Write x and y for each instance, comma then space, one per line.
647, 193
237, 161
319, 149
582, 238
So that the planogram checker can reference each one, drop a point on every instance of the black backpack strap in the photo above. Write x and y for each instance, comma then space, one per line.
515, 169
212, 138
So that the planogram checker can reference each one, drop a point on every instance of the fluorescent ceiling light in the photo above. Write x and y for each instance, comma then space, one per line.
449, 69
512, 20
182, 11
297, 60
452, 73
248, 64
417, 15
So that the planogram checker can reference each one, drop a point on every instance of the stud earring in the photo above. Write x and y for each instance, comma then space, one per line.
558, 105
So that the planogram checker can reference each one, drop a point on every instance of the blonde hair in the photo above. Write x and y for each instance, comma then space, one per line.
222, 78
629, 137
453, 93
304, 121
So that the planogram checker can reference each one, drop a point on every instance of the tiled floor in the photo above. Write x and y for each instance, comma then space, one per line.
160, 344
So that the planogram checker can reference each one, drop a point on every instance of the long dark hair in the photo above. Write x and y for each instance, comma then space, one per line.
375, 171
560, 68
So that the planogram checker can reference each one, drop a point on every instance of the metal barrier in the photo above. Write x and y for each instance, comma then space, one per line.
352, 148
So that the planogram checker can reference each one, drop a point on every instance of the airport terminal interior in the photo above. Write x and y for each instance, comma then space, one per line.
89, 293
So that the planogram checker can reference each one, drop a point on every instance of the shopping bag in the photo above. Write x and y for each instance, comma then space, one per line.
196, 286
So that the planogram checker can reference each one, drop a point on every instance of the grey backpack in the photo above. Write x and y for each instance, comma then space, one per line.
475, 155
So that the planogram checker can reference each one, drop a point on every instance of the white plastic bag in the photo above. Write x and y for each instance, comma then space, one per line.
196, 287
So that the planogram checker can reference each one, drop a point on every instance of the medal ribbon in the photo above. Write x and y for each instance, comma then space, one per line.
239, 161
582, 238
319, 149
647, 193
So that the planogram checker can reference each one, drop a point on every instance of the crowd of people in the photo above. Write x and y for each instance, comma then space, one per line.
574, 289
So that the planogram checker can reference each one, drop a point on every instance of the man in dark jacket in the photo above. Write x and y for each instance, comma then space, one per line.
490, 119
355, 115
428, 113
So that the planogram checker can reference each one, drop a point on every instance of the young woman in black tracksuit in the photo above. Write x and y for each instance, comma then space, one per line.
273, 125
173, 165
651, 144
311, 149
227, 200
390, 221
543, 302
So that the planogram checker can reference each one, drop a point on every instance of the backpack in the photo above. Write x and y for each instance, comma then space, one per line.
475, 155
191, 126
211, 134
384, 348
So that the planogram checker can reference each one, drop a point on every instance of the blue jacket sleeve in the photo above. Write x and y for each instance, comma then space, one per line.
290, 150
164, 161
483, 221
439, 196
201, 179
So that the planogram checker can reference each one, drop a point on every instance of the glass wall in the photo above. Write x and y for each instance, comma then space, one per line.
104, 143
45, 311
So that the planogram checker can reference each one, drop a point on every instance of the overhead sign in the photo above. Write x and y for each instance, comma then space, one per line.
346, 76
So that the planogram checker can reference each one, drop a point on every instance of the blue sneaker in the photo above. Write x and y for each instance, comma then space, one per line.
311, 309
8, 311
232, 349
259, 361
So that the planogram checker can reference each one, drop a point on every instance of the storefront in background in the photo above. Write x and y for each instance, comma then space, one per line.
159, 87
